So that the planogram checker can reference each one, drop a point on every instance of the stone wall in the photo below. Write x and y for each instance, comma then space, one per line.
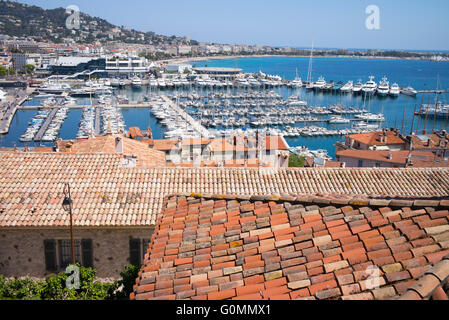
22, 250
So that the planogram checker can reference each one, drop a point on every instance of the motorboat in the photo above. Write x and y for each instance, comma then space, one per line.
338, 120
409, 91
370, 87
136, 82
320, 84
357, 88
347, 87
384, 87
371, 117
395, 90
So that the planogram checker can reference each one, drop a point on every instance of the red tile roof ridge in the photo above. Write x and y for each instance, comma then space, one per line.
433, 279
228, 248
330, 199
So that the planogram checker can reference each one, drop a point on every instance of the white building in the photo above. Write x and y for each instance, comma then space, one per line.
2, 96
177, 68
184, 50
127, 66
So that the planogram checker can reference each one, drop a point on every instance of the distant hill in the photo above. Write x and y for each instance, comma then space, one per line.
22, 20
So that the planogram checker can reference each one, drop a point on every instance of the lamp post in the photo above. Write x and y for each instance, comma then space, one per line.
67, 205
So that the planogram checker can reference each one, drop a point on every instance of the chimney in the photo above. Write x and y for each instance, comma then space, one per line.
390, 156
428, 142
409, 162
119, 145
424, 131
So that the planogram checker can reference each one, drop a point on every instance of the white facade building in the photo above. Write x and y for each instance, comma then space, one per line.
125, 67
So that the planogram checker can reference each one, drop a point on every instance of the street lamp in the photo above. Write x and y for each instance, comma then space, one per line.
67, 206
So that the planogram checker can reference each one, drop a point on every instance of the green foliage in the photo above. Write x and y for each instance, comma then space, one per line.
29, 68
20, 289
121, 289
3, 71
296, 161
54, 287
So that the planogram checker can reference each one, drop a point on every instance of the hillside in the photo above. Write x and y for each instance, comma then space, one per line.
21, 20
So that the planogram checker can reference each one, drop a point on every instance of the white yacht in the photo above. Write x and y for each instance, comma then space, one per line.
153, 82
384, 87
297, 83
395, 90
136, 82
2, 95
338, 120
370, 86
320, 83
409, 91
347, 87
115, 82
371, 117
357, 88
54, 87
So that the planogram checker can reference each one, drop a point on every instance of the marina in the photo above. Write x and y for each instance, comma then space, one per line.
207, 106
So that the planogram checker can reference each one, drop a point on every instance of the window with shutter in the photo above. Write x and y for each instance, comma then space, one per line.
65, 253
87, 253
50, 255
134, 252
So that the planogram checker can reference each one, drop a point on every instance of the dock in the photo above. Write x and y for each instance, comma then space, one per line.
45, 125
195, 124
97, 121
122, 106
7, 114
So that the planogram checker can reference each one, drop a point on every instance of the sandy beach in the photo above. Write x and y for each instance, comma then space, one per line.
191, 60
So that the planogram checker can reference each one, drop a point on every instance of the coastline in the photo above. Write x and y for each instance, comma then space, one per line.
180, 60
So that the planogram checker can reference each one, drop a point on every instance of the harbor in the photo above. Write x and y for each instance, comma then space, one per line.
176, 106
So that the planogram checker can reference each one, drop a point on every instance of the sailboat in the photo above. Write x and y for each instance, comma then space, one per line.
310, 85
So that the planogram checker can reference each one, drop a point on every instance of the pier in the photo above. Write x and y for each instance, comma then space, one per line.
195, 124
45, 125
97, 120
122, 106
9, 110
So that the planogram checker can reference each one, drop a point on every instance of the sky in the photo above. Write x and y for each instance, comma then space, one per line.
403, 24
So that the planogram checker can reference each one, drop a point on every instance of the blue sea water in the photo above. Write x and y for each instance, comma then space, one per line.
421, 75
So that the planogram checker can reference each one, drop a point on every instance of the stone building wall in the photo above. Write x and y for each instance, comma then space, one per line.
22, 250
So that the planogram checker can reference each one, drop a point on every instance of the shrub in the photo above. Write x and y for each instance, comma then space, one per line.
296, 161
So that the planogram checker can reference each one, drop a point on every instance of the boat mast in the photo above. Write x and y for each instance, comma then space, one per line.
309, 72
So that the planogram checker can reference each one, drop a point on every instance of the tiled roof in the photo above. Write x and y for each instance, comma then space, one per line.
164, 145
431, 285
105, 193
146, 157
434, 140
418, 158
373, 138
250, 250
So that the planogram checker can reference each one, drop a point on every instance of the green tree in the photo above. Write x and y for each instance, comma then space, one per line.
296, 161
3, 71
29, 68
121, 289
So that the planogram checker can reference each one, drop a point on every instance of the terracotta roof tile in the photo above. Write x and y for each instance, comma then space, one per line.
369, 262
107, 193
